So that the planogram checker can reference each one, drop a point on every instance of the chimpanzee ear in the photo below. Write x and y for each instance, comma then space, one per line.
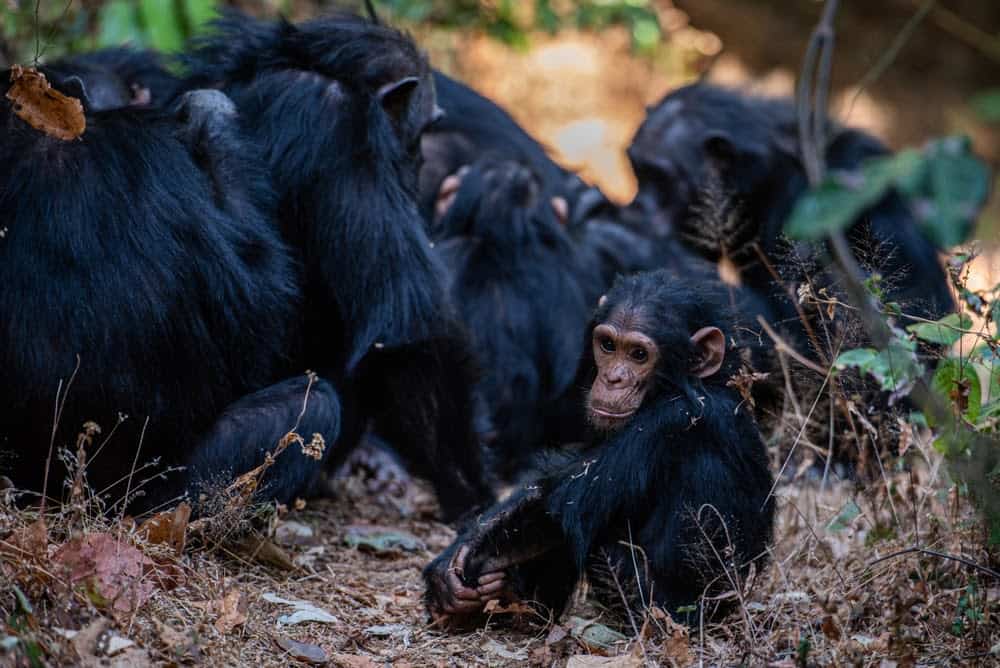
396, 96
447, 192
720, 147
711, 345
561, 208
73, 86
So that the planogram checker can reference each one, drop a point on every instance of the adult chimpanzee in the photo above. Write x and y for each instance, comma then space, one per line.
143, 287
671, 499
705, 140
338, 106
472, 126
515, 278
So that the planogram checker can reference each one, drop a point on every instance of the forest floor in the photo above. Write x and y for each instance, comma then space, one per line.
338, 583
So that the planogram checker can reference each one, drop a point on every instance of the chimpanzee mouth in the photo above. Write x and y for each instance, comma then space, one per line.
610, 414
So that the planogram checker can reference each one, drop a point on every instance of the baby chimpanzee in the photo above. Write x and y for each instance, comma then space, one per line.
670, 499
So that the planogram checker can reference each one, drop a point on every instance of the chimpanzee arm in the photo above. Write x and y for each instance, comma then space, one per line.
486, 559
252, 426
619, 481
210, 128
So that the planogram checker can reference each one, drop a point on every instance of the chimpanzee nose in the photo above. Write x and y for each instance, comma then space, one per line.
614, 376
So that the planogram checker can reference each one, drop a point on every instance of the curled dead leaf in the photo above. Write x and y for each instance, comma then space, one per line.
44, 108
169, 528
231, 610
302, 651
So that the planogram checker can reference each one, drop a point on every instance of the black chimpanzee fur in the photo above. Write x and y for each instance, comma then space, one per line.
515, 278
702, 142
142, 77
473, 126
144, 287
338, 105
686, 480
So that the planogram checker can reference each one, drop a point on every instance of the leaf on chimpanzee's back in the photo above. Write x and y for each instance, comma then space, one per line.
44, 108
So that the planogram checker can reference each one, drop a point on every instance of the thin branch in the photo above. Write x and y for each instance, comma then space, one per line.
940, 555
783, 346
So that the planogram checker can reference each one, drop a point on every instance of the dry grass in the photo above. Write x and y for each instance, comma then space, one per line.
833, 593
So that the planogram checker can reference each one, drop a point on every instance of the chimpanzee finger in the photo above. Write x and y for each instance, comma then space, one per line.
491, 589
455, 607
488, 578
458, 590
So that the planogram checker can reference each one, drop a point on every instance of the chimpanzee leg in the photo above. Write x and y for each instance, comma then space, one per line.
252, 427
421, 402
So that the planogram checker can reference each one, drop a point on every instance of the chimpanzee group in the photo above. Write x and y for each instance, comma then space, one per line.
308, 228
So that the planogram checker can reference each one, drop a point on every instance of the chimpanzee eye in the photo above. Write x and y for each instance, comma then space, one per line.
639, 355
607, 345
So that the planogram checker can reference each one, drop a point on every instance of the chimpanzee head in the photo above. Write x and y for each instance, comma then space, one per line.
700, 132
97, 88
654, 333
491, 189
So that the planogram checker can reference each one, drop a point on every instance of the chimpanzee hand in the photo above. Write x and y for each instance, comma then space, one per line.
449, 598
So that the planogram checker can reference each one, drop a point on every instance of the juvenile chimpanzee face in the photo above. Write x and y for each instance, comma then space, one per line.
627, 359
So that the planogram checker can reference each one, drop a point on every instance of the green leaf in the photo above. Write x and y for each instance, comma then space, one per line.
946, 185
844, 518
163, 23
957, 381
895, 367
859, 358
986, 105
843, 196
119, 24
945, 333
200, 12
947, 196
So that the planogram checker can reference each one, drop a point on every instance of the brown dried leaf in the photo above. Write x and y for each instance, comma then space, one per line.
44, 108
232, 611
179, 645
264, 551
494, 607
113, 572
352, 661
729, 273
302, 651
168, 528
29, 541
677, 646
830, 628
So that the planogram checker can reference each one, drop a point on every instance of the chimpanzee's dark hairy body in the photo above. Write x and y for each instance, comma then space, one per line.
514, 275
140, 270
218, 291
338, 106
472, 127
703, 135
685, 479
